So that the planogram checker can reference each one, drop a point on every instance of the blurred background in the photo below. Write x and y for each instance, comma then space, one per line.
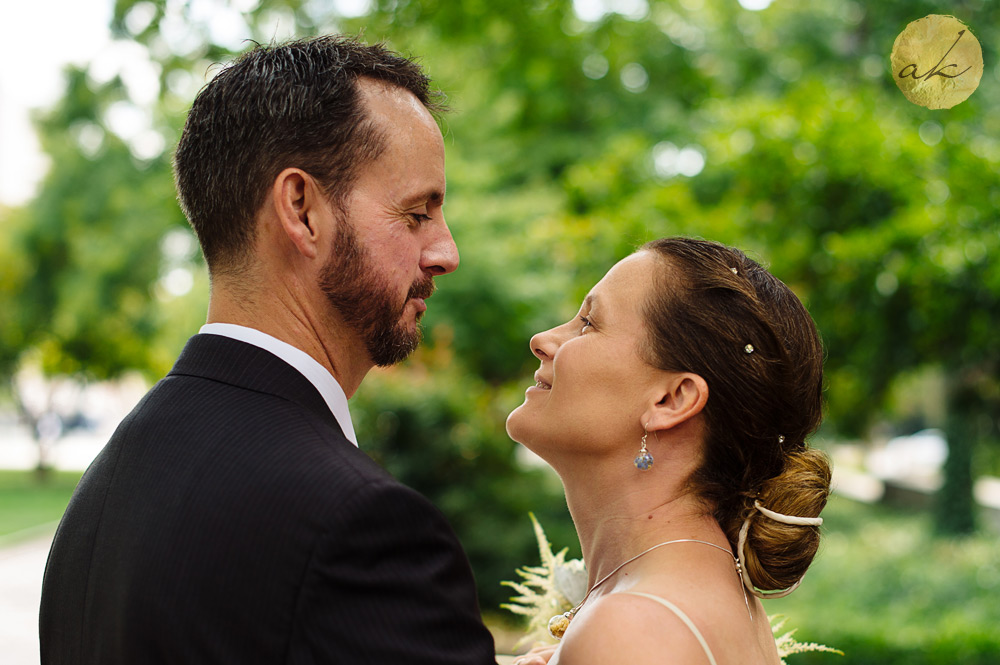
579, 130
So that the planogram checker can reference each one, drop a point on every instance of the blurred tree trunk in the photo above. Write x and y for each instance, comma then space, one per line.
45, 428
956, 507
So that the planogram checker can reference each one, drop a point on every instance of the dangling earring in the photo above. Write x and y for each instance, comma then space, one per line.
643, 460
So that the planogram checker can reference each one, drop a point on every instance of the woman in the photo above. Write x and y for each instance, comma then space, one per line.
675, 409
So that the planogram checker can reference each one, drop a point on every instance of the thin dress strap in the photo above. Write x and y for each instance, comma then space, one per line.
683, 617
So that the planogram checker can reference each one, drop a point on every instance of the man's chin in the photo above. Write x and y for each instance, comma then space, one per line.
395, 347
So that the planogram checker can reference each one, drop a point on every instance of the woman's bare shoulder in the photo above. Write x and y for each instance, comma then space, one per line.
628, 628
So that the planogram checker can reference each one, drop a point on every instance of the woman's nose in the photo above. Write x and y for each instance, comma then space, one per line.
544, 344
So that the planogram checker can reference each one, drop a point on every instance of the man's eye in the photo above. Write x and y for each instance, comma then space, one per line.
419, 217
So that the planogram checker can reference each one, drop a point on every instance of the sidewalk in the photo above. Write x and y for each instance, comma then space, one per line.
22, 565
23, 555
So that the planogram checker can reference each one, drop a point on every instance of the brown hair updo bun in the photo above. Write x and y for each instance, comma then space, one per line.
716, 313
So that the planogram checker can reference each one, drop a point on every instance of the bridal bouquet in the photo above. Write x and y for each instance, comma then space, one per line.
558, 585
552, 588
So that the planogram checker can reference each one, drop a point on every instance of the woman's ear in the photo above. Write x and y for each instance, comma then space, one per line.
682, 398
300, 207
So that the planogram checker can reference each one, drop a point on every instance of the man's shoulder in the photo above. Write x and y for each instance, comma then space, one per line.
270, 439
226, 410
242, 365
185, 400
237, 437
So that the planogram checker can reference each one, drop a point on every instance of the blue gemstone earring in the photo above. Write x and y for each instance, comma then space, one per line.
643, 460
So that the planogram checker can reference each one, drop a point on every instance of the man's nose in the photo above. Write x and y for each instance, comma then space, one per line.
440, 257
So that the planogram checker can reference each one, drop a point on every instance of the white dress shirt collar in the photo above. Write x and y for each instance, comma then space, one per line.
317, 375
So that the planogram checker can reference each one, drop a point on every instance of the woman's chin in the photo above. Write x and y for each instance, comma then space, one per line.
522, 426
513, 422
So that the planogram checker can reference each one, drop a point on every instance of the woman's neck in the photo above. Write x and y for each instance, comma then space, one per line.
615, 526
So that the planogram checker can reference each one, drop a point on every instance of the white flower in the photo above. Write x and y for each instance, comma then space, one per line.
543, 591
571, 580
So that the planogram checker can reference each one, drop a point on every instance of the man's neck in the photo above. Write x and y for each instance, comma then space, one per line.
286, 319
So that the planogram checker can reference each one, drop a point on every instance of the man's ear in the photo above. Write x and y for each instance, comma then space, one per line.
681, 398
301, 208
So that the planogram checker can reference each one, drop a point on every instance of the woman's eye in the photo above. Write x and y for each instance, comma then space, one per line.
586, 323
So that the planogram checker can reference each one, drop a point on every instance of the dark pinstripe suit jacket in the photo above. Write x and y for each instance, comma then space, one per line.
229, 520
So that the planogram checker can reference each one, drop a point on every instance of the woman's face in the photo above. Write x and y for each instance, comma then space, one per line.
593, 386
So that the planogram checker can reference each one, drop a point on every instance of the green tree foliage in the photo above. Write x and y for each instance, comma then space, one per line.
94, 238
880, 213
83, 259
571, 142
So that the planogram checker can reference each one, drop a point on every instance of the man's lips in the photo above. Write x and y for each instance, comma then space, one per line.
419, 293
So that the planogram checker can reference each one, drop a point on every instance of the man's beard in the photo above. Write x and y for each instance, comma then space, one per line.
364, 300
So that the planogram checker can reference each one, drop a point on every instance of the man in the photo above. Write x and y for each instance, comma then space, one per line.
232, 518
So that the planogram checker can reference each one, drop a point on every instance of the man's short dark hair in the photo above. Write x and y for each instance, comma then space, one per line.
295, 104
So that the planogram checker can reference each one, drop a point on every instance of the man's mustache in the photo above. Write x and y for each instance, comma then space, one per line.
422, 289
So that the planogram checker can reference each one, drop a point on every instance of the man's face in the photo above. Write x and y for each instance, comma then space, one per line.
392, 239
365, 300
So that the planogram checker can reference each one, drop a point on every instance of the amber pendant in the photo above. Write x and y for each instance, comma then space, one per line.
558, 625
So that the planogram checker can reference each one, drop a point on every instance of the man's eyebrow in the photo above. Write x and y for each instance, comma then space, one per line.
434, 196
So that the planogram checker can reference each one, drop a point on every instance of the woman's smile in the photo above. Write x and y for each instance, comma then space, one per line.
540, 383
